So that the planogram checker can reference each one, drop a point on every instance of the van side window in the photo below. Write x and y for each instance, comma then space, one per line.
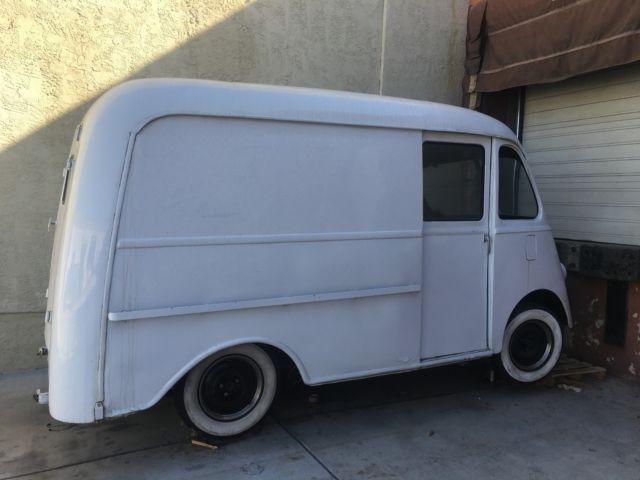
453, 181
516, 197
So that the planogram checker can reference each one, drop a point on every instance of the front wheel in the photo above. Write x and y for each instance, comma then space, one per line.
531, 346
230, 391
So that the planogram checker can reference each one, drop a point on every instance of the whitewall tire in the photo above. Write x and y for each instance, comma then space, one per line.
532, 345
230, 391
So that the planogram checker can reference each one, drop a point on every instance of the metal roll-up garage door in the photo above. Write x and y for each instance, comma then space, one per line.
582, 137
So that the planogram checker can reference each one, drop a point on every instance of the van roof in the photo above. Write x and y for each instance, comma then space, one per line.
135, 103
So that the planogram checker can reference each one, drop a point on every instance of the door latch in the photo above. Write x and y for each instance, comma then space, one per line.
531, 248
487, 240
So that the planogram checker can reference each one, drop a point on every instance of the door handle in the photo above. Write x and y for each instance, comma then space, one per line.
487, 239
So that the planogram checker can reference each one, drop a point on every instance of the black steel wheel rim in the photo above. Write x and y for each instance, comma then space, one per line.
230, 388
531, 345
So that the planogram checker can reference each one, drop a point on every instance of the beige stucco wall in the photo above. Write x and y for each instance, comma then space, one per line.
58, 56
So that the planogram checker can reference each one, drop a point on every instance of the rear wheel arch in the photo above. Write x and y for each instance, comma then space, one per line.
283, 364
278, 352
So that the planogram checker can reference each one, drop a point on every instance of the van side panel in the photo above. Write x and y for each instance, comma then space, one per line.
300, 235
546, 272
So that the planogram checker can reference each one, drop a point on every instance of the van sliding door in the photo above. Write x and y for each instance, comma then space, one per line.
456, 244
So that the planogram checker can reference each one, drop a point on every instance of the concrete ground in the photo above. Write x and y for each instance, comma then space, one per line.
441, 423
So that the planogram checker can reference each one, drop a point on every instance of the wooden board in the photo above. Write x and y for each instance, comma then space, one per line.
573, 369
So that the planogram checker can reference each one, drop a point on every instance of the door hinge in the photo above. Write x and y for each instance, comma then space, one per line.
98, 411
66, 171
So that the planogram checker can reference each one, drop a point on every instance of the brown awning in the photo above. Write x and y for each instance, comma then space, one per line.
512, 43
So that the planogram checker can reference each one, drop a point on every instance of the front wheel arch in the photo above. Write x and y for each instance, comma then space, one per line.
546, 300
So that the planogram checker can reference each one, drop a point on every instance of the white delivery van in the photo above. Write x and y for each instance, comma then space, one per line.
203, 226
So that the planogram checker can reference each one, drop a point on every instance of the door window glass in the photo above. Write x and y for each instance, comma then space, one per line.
516, 197
453, 181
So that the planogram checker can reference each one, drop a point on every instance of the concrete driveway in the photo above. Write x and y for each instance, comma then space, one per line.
441, 423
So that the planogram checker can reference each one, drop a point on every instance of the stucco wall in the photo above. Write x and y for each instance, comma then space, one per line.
58, 56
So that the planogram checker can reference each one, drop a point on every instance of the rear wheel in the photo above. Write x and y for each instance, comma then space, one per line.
230, 391
531, 346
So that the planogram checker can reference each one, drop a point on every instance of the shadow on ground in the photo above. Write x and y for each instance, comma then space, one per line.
448, 422
41, 444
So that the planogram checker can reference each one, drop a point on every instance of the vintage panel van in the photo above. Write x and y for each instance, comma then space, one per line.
203, 226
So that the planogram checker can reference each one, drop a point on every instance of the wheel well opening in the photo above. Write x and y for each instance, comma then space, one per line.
287, 369
545, 299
